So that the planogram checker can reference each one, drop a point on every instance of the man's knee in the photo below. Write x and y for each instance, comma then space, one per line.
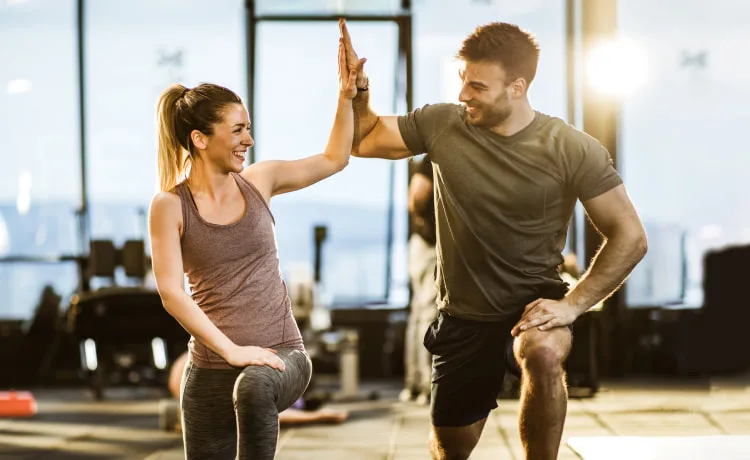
543, 352
455, 443
254, 386
542, 359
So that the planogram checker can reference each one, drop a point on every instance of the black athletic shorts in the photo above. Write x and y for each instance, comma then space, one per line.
469, 363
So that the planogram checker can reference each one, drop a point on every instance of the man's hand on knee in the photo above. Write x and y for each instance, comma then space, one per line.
542, 351
545, 314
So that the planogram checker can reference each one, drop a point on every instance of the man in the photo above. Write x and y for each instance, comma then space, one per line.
507, 179
422, 263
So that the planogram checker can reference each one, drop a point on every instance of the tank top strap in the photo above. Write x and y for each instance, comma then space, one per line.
187, 210
252, 195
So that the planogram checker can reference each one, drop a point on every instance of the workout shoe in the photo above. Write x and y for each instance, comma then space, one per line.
423, 399
406, 395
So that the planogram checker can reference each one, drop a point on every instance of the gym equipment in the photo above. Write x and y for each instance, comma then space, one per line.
701, 341
124, 333
344, 343
349, 364
581, 365
169, 415
320, 235
29, 347
133, 258
104, 258
125, 336
17, 404
329, 348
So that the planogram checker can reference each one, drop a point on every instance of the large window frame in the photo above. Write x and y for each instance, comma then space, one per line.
54, 269
403, 102
403, 97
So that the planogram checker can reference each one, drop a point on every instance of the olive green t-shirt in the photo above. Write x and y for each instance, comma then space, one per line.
503, 205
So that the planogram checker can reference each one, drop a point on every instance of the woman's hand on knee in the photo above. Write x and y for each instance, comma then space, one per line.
254, 356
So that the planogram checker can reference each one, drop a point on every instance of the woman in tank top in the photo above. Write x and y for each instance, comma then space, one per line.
211, 221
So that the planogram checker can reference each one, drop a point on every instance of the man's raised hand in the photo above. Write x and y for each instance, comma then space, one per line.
352, 60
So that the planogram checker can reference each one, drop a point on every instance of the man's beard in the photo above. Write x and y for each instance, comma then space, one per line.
491, 114
490, 117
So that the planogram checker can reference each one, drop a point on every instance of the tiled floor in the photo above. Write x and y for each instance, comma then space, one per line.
125, 426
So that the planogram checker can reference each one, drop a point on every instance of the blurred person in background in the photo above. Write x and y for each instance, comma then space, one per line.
422, 266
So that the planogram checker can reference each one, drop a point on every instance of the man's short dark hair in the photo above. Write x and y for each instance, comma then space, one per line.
507, 44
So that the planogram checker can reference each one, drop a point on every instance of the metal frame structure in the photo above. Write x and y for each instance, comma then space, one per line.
601, 116
403, 95
403, 86
82, 215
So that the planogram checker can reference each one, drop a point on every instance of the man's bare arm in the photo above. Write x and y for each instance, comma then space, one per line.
625, 244
374, 136
365, 119
613, 214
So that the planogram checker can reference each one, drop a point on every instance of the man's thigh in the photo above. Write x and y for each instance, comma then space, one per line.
468, 369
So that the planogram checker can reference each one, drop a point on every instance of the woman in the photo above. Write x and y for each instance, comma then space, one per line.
247, 360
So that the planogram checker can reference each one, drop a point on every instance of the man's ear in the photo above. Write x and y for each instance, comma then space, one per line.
519, 87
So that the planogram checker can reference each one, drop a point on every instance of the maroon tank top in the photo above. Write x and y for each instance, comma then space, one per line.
234, 276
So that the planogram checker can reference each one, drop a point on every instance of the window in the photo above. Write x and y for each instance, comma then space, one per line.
40, 179
296, 93
682, 153
309, 7
439, 32
185, 41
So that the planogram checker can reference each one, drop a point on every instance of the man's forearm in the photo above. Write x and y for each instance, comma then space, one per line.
365, 118
609, 268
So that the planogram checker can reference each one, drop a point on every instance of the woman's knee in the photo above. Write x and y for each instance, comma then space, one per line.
255, 386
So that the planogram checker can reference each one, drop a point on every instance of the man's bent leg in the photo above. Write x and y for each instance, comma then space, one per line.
468, 367
455, 442
544, 398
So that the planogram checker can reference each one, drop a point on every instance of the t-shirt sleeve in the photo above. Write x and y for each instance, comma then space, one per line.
420, 127
592, 169
425, 167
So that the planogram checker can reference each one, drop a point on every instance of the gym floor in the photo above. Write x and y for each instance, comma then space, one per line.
125, 426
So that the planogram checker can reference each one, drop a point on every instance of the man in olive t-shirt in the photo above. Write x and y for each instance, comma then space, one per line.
507, 178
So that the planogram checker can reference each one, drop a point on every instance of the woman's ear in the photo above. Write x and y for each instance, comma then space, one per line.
199, 139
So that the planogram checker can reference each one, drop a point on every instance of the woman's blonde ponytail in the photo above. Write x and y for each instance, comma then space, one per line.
171, 155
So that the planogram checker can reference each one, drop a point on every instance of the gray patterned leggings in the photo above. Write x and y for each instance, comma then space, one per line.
220, 404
